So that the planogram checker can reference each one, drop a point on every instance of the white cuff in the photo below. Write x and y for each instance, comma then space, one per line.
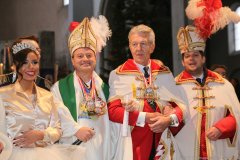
174, 120
141, 119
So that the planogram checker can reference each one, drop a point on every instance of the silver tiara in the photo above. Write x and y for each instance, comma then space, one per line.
21, 46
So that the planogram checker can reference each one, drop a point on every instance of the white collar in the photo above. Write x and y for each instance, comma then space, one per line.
76, 80
201, 76
140, 67
89, 83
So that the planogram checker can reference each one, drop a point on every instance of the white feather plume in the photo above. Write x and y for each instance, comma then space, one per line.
193, 11
224, 17
101, 29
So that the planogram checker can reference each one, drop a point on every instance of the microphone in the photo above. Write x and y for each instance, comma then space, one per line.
77, 142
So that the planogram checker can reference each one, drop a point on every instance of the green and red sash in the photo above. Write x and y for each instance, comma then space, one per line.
67, 91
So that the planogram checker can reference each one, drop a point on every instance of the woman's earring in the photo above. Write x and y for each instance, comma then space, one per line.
14, 77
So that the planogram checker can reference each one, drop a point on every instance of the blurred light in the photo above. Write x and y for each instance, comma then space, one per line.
65, 2
237, 32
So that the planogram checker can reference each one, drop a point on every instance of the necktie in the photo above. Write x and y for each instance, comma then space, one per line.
153, 106
146, 75
199, 80
145, 69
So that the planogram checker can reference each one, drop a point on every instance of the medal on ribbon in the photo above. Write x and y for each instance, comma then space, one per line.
99, 106
92, 105
149, 93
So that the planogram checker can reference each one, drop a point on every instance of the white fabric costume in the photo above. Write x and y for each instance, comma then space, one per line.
98, 147
128, 80
220, 99
21, 113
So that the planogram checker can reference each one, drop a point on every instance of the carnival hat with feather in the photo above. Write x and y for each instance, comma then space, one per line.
92, 34
209, 16
189, 40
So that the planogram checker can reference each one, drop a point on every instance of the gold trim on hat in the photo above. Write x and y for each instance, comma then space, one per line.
188, 40
82, 36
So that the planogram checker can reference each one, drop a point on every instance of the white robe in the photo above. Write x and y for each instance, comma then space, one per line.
122, 84
98, 147
187, 139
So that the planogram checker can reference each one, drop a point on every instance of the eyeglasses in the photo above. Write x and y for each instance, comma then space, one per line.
142, 44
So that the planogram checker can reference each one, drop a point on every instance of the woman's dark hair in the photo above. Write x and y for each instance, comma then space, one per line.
215, 66
20, 57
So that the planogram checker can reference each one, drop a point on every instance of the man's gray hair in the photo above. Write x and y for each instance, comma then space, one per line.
143, 29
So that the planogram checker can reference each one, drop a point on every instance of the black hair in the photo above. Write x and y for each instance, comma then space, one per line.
20, 57
201, 53
215, 66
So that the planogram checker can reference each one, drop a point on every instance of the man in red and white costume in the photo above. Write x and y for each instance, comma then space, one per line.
211, 130
150, 91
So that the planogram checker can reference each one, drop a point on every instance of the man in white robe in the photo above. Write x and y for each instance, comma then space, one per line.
211, 129
149, 92
85, 94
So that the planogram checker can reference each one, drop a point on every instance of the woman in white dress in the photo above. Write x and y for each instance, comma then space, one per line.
31, 120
